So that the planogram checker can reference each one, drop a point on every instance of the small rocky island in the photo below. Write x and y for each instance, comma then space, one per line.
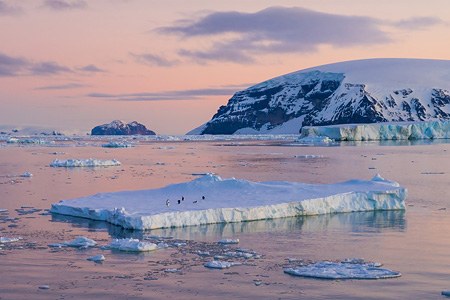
118, 127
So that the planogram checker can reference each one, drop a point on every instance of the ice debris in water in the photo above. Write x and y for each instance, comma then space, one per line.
4, 240
216, 264
228, 241
446, 293
347, 269
79, 242
26, 174
132, 245
97, 258
116, 145
314, 140
308, 156
70, 163
44, 287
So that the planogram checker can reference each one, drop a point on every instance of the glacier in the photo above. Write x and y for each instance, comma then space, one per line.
211, 199
380, 131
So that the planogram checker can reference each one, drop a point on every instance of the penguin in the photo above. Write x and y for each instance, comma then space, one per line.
195, 201
182, 198
203, 197
167, 202
179, 201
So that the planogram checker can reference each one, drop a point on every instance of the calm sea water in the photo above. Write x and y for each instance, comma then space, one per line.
415, 242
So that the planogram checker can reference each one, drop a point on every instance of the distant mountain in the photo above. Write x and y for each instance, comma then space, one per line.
362, 91
117, 127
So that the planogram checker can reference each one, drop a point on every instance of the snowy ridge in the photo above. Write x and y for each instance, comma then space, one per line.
211, 199
363, 91
381, 131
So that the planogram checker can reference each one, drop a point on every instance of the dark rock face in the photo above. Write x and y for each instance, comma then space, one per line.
318, 98
120, 128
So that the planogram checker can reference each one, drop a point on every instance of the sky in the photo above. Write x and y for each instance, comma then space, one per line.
70, 65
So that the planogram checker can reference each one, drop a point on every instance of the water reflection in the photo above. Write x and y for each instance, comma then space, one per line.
361, 222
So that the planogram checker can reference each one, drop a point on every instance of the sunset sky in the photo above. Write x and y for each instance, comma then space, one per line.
73, 64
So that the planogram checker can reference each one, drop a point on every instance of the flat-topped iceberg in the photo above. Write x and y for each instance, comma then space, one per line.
380, 131
211, 199
342, 270
71, 163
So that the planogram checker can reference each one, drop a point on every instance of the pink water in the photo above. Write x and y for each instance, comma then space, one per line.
414, 242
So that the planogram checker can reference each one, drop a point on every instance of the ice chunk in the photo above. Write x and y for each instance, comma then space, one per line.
2, 210
340, 270
211, 199
80, 242
308, 156
132, 245
69, 163
26, 174
228, 241
96, 258
4, 240
314, 140
446, 293
216, 264
116, 145
44, 287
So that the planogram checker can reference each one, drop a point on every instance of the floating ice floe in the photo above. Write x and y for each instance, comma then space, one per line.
342, 270
116, 145
26, 174
308, 156
446, 293
132, 245
314, 140
381, 131
69, 163
228, 241
2, 210
216, 264
96, 258
4, 240
211, 199
79, 242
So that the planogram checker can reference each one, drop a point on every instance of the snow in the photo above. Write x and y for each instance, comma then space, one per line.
132, 245
70, 163
342, 270
232, 200
96, 258
380, 131
80, 242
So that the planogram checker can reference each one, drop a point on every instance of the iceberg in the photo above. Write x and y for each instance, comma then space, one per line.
211, 199
79, 242
342, 270
379, 131
70, 163
132, 245
96, 258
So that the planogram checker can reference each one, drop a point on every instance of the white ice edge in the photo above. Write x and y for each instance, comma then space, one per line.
379, 131
232, 200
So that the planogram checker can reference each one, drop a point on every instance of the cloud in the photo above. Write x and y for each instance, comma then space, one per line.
17, 66
276, 30
6, 9
193, 94
241, 37
91, 68
60, 5
48, 68
66, 86
418, 23
153, 59
12, 66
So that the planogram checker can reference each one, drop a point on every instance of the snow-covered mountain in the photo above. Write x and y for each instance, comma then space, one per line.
362, 91
118, 127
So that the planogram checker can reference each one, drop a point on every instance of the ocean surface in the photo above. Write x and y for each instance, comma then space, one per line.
415, 242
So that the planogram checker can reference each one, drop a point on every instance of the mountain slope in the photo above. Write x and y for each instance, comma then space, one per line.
363, 91
118, 127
